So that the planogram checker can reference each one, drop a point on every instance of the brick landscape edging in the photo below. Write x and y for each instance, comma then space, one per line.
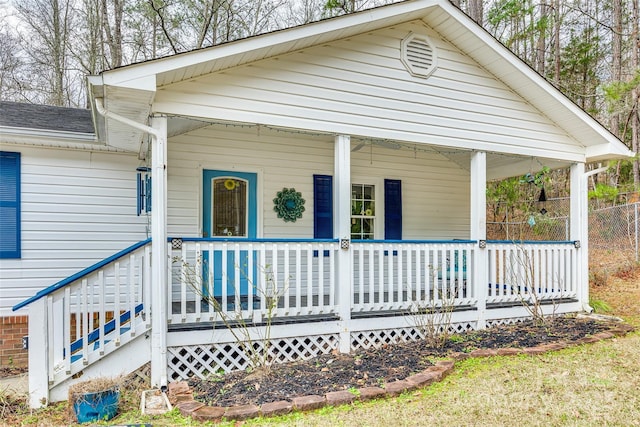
181, 395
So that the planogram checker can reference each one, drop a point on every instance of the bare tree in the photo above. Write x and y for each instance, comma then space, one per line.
112, 30
48, 24
635, 92
11, 66
476, 10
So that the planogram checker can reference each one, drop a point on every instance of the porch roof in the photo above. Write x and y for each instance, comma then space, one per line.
130, 91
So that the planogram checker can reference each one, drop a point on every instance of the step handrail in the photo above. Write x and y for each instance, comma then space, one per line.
65, 282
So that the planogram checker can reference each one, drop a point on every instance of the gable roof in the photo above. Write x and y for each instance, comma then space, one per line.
130, 90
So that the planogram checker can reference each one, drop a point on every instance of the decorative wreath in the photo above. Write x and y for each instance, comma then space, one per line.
289, 204
229, 184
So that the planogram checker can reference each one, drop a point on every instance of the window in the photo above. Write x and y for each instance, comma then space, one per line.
363, 211
9, 205
229, 207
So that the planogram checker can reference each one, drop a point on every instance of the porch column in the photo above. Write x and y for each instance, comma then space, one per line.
578, 230
159, 253
478, 231
342, 230
39, 342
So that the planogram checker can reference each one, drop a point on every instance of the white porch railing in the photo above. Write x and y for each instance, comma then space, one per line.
297, 276
79, 320
243, 276
88, 316
532, 271
406, 275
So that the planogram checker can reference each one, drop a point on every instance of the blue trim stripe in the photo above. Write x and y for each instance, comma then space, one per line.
61, 284
533, 242
261, 240
415, 241
109, 327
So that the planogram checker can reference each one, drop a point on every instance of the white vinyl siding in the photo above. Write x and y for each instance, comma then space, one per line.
78, 207
359, 86
435, 190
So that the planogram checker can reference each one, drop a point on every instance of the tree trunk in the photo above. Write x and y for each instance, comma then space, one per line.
635, 93
476, 11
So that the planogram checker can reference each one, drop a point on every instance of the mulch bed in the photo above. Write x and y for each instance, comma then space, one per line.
10, 371
374, 367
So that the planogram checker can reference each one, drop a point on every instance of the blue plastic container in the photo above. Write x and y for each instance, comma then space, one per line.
101, 405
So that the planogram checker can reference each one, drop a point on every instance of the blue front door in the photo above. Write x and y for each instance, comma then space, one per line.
229, 211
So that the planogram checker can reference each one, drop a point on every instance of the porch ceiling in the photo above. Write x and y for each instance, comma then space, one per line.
129, 91
501, 166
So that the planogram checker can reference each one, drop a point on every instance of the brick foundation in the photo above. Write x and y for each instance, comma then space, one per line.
12, 329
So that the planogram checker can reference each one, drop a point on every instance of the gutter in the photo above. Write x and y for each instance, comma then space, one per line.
117, 117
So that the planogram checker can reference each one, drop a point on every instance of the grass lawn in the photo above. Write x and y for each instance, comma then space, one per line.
594, 384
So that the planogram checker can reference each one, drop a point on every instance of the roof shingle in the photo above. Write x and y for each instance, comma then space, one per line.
46, 117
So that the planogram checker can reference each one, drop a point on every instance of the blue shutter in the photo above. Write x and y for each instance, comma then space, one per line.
147, 205
143, 187
322, 206
9, 205
392, 209
140, 193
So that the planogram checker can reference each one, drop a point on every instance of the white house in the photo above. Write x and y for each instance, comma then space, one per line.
67, 202
338, 167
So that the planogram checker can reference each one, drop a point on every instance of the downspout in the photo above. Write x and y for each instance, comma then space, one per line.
159, 251
595, 171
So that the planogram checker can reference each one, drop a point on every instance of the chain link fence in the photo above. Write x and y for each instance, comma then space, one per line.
614, 232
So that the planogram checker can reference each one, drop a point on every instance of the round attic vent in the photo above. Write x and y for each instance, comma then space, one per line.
418, 55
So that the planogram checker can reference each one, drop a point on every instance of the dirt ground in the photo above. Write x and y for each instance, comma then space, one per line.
374, 367
615, 290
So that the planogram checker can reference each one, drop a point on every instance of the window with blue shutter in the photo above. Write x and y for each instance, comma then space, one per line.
9, 205
392, 209
322, 207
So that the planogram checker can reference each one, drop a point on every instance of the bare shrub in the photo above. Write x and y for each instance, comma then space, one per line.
253, 339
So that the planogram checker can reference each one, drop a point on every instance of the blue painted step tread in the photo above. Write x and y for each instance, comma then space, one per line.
110, 326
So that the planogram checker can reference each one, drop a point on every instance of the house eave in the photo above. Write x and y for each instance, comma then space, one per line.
182, 66
50, 138
611, 151
130, 91
133, 103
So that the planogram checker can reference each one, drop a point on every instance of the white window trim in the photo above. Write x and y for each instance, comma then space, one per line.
378, 183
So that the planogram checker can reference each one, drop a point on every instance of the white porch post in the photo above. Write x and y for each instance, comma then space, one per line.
342, 231
479, 231
159, 253
578, 230
38, 354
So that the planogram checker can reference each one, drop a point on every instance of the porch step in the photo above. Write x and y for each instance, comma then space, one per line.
108, 331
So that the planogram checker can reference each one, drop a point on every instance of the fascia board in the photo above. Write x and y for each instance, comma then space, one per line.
13, 134
608, 152
132, 74
52, 139
131, 81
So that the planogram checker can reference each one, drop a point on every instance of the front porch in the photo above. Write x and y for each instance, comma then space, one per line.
392, 286
298, 288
